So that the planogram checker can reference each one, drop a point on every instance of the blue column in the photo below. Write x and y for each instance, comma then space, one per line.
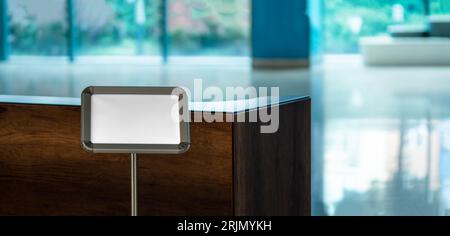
4, 30
280, 33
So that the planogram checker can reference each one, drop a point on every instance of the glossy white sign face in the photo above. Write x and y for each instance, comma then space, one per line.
134, 119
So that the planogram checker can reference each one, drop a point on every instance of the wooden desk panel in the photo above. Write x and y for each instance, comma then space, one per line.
44, 170
272, 171
198, 182
230, 168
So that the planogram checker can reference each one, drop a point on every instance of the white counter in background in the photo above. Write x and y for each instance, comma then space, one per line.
388, 51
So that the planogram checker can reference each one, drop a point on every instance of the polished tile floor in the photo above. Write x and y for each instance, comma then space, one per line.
381, 139
381, 135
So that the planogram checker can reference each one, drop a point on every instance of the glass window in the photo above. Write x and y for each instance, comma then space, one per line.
38, 27
439, 7
130, 27
204, 27
117, 27
347, 20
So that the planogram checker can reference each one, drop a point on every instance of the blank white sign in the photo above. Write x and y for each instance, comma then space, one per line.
134, 119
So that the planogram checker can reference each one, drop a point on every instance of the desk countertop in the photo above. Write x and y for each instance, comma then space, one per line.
208, 106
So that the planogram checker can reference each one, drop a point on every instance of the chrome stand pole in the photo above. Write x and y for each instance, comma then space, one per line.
134, 185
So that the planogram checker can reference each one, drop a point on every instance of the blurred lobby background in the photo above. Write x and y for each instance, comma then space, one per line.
381, 132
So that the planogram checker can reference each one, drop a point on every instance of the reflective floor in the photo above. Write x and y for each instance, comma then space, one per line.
381, 140
381, 135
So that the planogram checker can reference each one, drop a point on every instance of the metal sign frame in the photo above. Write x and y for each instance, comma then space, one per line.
133, 148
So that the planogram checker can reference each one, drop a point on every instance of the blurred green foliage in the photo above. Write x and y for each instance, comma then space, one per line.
29, 37
204, 27
119, 35
440, 6
200, 27
217, 27
376, 16
34, 40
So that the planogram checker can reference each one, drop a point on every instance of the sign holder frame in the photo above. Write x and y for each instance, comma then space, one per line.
134, 149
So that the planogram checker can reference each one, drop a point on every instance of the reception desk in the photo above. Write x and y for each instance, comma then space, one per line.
230, 169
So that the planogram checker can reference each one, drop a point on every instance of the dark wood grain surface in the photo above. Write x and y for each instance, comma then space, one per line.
230, 168
199, 182
44, 170
272, 171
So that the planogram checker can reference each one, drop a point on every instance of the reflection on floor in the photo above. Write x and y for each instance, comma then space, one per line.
381, 135
384, 140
